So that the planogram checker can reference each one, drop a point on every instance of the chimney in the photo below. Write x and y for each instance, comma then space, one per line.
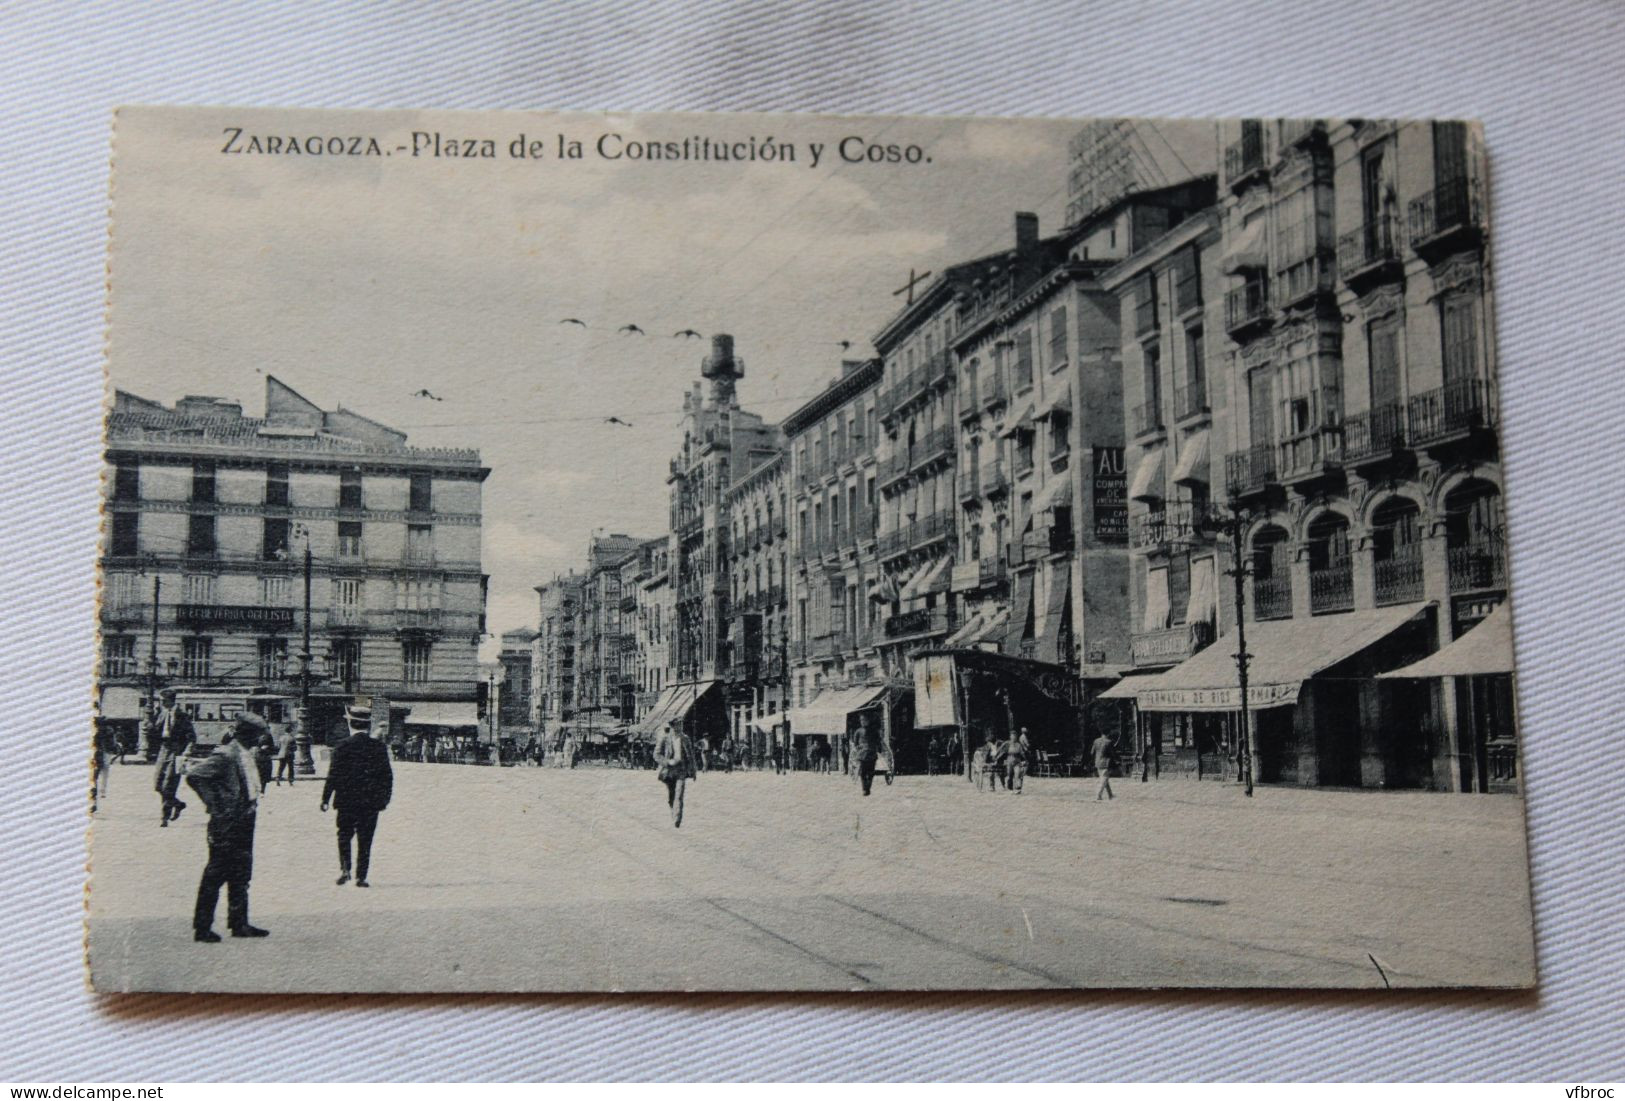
723, 370
1026, 235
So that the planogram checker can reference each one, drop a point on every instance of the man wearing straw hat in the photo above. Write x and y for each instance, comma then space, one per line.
360, 781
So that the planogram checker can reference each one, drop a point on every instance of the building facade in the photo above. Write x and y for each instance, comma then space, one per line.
653, 637
553, 651
835, 620
604, 632
514, 702
210, 513
758, 563
1353, 395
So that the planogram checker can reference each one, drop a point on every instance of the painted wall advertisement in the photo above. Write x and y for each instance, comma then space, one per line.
1110, 496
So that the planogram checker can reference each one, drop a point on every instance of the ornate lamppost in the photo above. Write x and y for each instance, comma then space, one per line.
304, 764
1233, 526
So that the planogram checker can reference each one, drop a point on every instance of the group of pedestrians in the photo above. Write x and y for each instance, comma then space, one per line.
1005, 762
231, 781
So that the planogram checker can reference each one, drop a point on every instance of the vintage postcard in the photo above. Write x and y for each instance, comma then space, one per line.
595, 552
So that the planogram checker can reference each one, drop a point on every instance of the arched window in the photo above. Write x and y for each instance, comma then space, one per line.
1475, 537
1396, 551
1331, 566
1272, 574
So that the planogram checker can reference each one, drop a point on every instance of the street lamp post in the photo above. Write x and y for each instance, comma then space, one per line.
304, 764
1233, 526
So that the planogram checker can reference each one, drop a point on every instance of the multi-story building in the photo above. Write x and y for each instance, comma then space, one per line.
836, 618
604, 632
1361, 456
721, 444
210, 514
655, 611
514, 704
553, 652
759, 561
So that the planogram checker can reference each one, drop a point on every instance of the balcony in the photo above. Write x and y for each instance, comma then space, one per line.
894, 467
921, 622
1312, 455
417, 619
1398, 577
991, 572
1369, 255
1374, 437
993, 478
938, 443
1169, 646
1247, 309
1455, 411
1331, 589
994, 392
970, 484
1475, 567
1250, 471
1164, 529
1447, 219
1303, 132
1244, 159
1147, 418
1303, 281
932, 528
1190, 400
1272, 598
892, 543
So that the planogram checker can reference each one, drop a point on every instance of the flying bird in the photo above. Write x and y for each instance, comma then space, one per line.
573, 321
631, 329
846, 345
619, 421
687, 332
426, 394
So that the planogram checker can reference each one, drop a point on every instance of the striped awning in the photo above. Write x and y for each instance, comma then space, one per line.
1193, 459
1147, 483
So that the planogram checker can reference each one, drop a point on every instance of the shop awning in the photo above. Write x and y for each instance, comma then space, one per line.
1126, 689
673, 705
121, 701
1247, 250
929, 578
1019, 416
1285, 653
766, 723
1193, 459
1057, 492
1057, 597
1483, 650
828, 711
442, 713
1060, 400
971, 629
1147, 483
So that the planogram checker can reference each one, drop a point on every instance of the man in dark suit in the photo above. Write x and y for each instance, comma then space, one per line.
359, 784
173, 730
228, 782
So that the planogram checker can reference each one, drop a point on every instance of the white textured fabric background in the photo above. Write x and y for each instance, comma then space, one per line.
1546, 80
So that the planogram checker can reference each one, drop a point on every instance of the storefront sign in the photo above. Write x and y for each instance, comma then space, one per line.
1110, 495
1259, 696
232, 615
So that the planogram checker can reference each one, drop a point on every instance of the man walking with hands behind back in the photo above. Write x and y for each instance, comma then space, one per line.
359, 784
228, 781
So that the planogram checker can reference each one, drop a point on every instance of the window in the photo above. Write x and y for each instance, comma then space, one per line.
200, 535
118, 657
347, 662
276, 484
1383, 340
203, 483
349, 489
1187, 280
1195, 369
127, 480
1057, 339
195, 656
419, 497
1151, 377
199, 588
1059, 433
121, 591
349, 544
126, 529
276, 592
1024, 359
1145, 305
1460, 338
273, 655
274, 542
416, 660
419, 543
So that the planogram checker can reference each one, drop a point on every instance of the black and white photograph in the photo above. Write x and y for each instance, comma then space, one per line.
595, 552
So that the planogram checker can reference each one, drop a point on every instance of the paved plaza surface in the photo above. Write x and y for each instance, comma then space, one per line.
515, 879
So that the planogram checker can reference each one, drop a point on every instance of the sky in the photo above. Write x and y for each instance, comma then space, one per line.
361, 280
